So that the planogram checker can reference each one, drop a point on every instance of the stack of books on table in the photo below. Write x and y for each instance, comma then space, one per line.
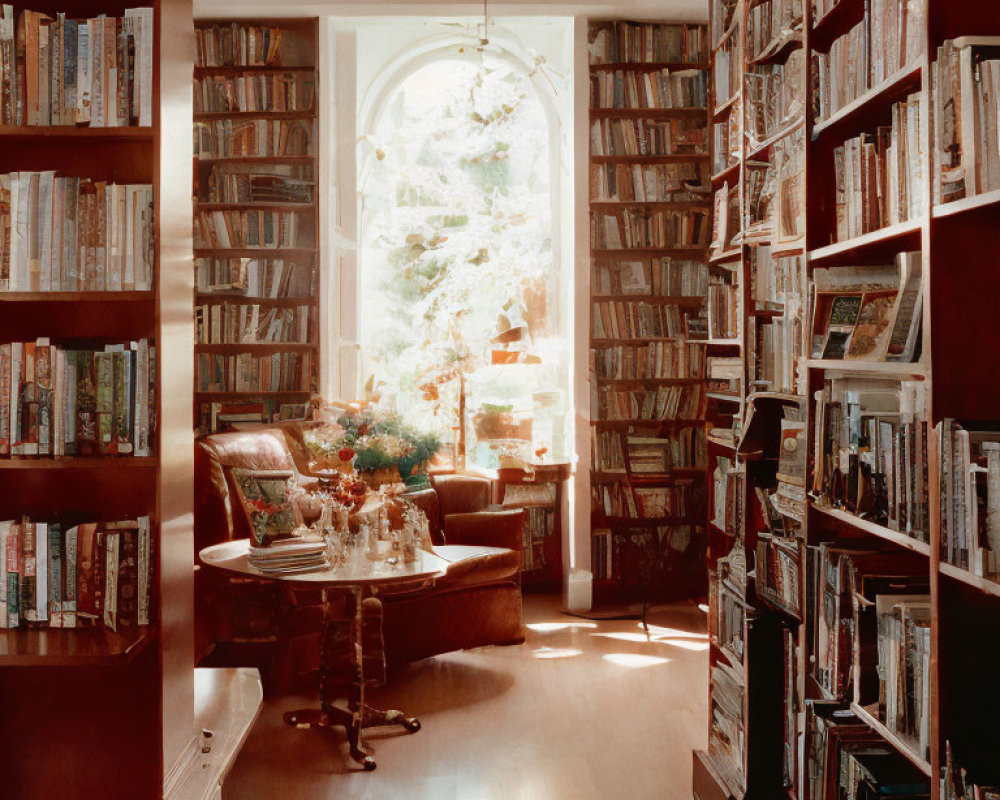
289, 557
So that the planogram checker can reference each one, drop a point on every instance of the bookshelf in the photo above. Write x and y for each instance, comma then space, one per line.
256, 300
944, 561
116, 705
650, 211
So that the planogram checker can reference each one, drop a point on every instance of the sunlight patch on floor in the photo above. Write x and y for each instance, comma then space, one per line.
555, 652
635, 660
549, 627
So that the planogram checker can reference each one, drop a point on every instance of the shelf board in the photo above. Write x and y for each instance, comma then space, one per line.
604, 341
76, 297
890, 90
72, 647
724, 108
255, 114
894, 739
726, 398
639, 252
881, 236
256, 252
966, 204
79, 462
208, 297
226, 395
723, 175
890, 368
769, 142
614, 204
897, 538
660, 300
778, 49
721, 342
204, 69
833, 17
727, 255
661, 423
966, 577
31, 133
639, 113
605, 476
255, 159
649, 66
664, 158
236, 347
661, 381
210, 205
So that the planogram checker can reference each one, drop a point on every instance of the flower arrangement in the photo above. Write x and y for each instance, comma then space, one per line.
373, 442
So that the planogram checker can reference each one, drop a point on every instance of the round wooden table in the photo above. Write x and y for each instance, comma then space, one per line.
358, 576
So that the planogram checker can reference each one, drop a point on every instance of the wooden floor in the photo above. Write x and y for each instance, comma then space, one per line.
581, 710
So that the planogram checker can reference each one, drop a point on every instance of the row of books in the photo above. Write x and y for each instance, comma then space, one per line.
59, 71
649, 183
727, 67
888, 38
246, 323
723, 17
256, 93
904, 667
774, 349
71, 576
221, 416
957, 785
641, 502
879, 175
74, 234
724, 308
252, 138
653, 90
624, 319
641, 42
725, 376
778, 571
777, 283
56, 401
727, 728
261, 183
667, 229
728, 493
664, 360
727, 221
250, 228
250, 372
868, 313
969, 488
775, 97
238, 45
602, 554
727, 137
254, 277
770, 24
539, 524
665, 276
848, 759
870, 451
646, 453
728, 623
685, 402
646, 137
965, 80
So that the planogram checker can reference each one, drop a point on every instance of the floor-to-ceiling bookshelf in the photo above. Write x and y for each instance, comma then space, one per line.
256, 129
953, 371
87, 711
641, 515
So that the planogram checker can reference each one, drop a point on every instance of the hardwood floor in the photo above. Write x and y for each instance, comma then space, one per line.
581, 710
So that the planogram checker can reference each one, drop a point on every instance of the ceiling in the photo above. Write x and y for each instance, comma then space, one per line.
681, 10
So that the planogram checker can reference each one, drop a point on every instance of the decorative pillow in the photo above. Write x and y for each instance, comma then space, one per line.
263, 496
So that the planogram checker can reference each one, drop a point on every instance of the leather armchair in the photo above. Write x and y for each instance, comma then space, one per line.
478, 601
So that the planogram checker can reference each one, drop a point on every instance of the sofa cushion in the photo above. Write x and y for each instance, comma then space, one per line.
461, 494
494, 528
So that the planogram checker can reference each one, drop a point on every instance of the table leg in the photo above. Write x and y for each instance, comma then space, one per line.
358, 715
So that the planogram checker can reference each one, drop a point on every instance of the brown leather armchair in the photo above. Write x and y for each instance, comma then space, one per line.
478, 601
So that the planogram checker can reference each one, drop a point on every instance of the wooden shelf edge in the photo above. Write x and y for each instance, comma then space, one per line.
77, 297
896, 741
895, 537
79, 462
789, 129
904, 369
71, 132
72, 647
944, 210
871, 97
886, 234
970, 579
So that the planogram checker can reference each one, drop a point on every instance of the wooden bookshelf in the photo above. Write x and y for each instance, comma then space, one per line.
960, 287
117, 706
297, 55
616, 587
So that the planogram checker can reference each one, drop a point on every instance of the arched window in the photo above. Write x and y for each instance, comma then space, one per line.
459, 271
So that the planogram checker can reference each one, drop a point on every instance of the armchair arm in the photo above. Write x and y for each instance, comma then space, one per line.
486, 528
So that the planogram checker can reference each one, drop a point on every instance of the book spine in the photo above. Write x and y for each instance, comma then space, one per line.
112, 553
70, 578
55, 575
